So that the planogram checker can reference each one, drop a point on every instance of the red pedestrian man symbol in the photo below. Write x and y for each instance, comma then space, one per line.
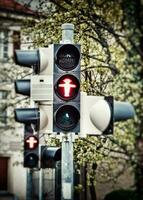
67, 85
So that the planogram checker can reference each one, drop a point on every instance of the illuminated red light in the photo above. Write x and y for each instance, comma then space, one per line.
31, 142
67, 87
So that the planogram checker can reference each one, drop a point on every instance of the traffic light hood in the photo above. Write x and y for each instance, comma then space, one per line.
28, 58
28, 116
23, 86
37, 59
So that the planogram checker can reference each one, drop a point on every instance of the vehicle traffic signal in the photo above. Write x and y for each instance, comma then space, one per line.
49, 156
66, 95
39, 87
31, 148
98, 114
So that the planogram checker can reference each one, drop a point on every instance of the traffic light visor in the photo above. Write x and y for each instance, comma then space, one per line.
23, 86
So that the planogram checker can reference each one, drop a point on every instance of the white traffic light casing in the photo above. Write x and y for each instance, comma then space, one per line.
46, 60
103, 115
98, 114
46, 118
41, 88
66, 86
41, 85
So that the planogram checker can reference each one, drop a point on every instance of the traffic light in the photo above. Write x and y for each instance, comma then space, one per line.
66, 95
39, 87
31, 148
98, 114
49, 156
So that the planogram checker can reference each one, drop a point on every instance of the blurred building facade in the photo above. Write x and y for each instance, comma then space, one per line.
12, 174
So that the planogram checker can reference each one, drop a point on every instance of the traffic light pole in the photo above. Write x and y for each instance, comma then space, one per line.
40, 184
67, 138
67, 166
29, 185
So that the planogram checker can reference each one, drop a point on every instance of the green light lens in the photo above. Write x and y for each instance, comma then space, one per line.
67, 117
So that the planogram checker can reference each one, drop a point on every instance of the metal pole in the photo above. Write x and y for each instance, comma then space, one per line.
67, 167
67, 138
58, 181
40, 184
67, 33
29, 185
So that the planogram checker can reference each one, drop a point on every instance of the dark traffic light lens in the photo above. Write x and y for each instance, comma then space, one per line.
31, 160
68, 57
67, 117
67, 87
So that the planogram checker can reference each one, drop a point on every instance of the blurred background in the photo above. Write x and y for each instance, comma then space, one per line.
111, 37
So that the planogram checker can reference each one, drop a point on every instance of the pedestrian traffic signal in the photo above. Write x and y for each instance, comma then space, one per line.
66, 96
31, 148
49, 156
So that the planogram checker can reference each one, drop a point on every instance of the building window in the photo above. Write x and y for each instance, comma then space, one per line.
4, 44
16, 40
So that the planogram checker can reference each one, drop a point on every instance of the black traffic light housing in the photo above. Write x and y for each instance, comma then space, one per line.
31, 148
66, 95
49, 156
28, 116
